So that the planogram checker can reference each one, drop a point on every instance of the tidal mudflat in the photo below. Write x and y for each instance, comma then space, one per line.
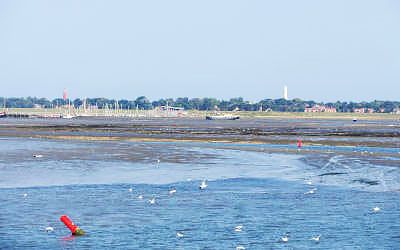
103, 174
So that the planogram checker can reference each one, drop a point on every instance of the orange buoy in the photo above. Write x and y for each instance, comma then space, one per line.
75, 230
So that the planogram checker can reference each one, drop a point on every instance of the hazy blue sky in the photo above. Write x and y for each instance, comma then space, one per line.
322, 50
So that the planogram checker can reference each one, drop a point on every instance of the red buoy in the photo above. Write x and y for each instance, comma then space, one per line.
299, 143
75, 230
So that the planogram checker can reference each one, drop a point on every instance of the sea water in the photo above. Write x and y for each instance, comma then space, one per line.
266, 193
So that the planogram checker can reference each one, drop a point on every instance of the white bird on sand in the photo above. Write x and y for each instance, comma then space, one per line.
130, 190
37, 156
312, 191
140, 197
25, 195
152, 201
240, 247
316, 238
376, 209
285, 238
49, 229
158, 160
179, 234
239, 228
203, 185
172, 191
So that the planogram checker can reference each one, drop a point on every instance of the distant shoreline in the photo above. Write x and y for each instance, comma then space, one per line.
39, 112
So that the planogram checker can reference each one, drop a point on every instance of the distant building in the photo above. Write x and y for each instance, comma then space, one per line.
285, 93
363, 110
319, 109
396, 111
359, 110
369, 110
330, 110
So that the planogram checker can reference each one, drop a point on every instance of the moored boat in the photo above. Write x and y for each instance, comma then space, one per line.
222, 117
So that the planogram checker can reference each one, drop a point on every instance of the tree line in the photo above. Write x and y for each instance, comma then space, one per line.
238, 103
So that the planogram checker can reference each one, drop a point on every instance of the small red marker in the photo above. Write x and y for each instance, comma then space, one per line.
299, 143
75, 230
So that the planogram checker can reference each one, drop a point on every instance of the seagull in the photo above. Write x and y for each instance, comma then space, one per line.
285, 238
179, 234
37, 156
312, 191
130, 190
240, 247
376, 209
158, 160
152, 201
25, 195
172, 191
316, 238
238, 228
140, 197
309, 182
49, 229
203, 185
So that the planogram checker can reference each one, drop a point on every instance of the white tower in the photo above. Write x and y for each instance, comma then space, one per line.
285, 93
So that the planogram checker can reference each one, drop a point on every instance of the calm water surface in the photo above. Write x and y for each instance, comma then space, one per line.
263, 192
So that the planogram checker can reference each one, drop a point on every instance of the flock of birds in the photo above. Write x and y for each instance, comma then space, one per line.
284, 239
203, 185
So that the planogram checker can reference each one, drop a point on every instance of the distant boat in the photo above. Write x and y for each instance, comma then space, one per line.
3, 114
222, 117
67, 116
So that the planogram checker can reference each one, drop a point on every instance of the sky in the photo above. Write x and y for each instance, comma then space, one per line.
322, 50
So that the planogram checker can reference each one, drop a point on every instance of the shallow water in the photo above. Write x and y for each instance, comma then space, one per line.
264, 192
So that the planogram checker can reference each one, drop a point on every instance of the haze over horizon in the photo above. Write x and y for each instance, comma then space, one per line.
323, 51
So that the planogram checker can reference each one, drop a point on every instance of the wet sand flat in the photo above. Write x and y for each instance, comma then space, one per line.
338, 132
375, 141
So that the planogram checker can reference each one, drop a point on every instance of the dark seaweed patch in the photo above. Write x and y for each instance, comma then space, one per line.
331, 173
367, 181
